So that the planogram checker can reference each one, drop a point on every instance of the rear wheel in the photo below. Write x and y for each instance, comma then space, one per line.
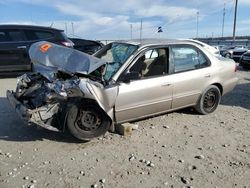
245, 67
209, 100
227, 55
87, 122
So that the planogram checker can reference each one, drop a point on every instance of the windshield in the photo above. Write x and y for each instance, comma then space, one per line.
115, 54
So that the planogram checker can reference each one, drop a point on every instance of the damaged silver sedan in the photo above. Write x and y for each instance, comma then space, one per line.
124, 81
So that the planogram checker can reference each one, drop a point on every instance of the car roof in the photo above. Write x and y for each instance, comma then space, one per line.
151, 42
16, 26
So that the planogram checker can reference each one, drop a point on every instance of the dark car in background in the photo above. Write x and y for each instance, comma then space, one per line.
15, 41
86, 46
245, 60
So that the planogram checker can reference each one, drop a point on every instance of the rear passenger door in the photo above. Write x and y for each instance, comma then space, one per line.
13, 51
190, 74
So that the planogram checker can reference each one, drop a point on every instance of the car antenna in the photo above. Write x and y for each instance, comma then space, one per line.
51, 25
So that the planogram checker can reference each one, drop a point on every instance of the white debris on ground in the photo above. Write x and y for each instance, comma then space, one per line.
179, 149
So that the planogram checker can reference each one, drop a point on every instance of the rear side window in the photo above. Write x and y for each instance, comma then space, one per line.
38, 35
187, 58
11, 36
16, 36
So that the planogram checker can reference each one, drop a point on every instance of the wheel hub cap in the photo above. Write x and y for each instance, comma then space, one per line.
89, 120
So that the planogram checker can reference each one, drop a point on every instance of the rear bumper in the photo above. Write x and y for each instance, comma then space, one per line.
20, 109
230, 84
245, 63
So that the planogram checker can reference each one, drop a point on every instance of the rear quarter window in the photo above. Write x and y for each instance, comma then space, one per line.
38, 35
187, 58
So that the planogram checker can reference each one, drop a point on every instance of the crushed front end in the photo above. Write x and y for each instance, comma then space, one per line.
40, 101
67, 89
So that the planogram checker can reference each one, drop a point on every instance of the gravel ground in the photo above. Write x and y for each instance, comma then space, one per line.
180, 149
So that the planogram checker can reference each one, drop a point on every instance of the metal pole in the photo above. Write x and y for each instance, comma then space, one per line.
66, 28
73, 30
131, 31
235, 15
197, 25
223, 20
141, 31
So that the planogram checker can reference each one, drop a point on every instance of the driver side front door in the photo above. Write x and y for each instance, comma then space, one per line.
148, 95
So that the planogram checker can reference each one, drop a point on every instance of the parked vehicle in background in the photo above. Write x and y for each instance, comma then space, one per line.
227, 51
211, 49
86, 46
122, 82
245, 60
15, 41
238, 52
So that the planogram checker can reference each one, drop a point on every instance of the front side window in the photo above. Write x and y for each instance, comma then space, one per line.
3, 36
11, 36
187, 58
115, 54
153, 62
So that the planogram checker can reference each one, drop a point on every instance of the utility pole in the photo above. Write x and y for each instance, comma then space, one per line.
141, 31
131, 31
73, 30
223, 20
235, 15
66, 28
197, 24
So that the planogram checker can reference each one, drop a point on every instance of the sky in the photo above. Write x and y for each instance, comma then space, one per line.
114, 19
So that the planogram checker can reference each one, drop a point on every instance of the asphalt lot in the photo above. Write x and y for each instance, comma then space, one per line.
179, 149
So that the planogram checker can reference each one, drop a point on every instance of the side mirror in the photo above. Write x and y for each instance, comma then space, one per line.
131, 76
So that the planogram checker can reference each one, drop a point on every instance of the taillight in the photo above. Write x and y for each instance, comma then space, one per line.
235, 68
68, 44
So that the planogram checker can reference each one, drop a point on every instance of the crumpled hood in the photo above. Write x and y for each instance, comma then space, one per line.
48, 56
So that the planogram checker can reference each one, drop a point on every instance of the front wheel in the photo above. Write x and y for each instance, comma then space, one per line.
87, 121
209, 100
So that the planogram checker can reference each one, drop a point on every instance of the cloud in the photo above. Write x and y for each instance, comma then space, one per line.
245, 22
244, 2
112, 19
168, 12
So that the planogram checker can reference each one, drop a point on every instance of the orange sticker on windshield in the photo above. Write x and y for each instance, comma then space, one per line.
44, 48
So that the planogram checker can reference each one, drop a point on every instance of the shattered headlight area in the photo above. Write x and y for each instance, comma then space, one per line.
45, 99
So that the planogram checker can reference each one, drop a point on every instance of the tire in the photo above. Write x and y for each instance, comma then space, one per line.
209, 100
245, 67
227, 55
87, 122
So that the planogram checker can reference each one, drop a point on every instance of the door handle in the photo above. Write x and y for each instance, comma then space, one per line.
166, 84
207, 75
22, 47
